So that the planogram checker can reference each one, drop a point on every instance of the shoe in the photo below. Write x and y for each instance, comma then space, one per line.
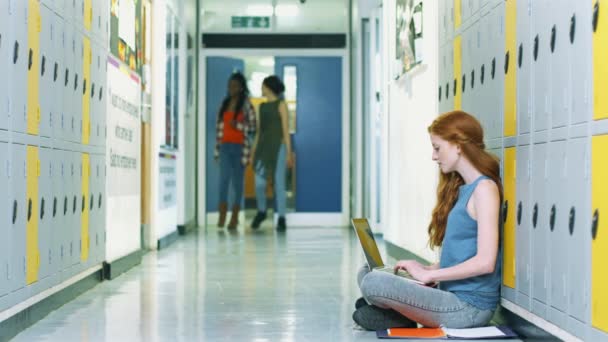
222, 220
281, 225
361, 302
234, 219
373, 318
257, 220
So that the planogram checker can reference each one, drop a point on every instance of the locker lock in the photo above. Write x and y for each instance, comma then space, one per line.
595, 223
84, 201
42, 208
55, 72
596, 14
455, 86
472, 79
440, 91
16, 52
572, 28
505, 211
99, 201
74, 205
571, 221
553, 34
92, 203
67, 77
30, 60
43, 66
507, 55
464, 82
447, 90
552, 218
536, 48
84, 86
14, 211
520, 55
535, 215
493, 70
519, 209
29, 209
483, 73
54, 206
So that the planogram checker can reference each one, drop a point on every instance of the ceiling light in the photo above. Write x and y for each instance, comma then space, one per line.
260, 10
287, 10
267, 62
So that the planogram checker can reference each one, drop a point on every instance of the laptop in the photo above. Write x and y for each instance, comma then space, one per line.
372, 254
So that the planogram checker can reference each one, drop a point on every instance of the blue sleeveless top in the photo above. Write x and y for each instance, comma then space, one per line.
459, 245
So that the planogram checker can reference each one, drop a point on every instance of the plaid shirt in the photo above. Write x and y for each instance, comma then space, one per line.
248, 127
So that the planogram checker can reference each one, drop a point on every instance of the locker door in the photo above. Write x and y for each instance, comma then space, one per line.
524, 225
84, 211
69, 49
462, 77
105, 24
33, 68
75, 224
440, 78
46, 71
578, 222
77, 87
557, 216
93, 103
499, 80
101, 96
600, 55
581, 61
19, 65
508, 215
93, 212
88, 15
86, 90
559, 58
483, 74
524, 67
473, 83
449, 19
457, 14
101, 206
59, 71
542, 64
540, 230
60, 7
510, 85
55, 212
32, 210
5, 64
5, 214
599, 244
457, 71
45, 203
441, 4
64, 228
18, 216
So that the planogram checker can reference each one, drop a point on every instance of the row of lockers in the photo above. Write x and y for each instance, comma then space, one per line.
56, 81
453, 14
52, 217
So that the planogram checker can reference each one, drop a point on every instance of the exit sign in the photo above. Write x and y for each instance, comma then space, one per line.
251, 22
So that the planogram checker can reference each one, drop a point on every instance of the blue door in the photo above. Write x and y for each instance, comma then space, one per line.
219, 70
318, 138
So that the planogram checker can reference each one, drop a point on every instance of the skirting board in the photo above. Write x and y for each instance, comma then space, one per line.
113, 269
168, 239
15, 320
313, 219
184, 229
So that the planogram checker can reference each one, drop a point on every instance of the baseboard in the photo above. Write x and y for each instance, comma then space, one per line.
61, 294
503, 316
113, 269
314, 219
168, 239
184, 229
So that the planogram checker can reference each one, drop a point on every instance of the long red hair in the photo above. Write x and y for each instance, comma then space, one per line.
462, 129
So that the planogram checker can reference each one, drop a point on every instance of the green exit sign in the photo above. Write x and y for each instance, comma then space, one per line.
251, 22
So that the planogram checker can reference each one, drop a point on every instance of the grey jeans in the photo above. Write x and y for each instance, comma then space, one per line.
425, 305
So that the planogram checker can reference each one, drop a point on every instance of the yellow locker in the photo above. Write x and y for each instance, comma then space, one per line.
86, 94
84, 217
510, 110
457, 72
509, 237
599, 244
457, 14
88, 14
33, 74
31, 232
600, 56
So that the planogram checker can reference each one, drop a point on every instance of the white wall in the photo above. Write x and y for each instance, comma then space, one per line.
412, 107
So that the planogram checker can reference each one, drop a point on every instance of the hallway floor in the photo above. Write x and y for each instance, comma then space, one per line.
219, 286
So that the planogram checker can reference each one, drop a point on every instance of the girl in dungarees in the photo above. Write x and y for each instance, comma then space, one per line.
465, 224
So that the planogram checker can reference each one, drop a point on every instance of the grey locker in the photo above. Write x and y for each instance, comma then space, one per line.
578, 237
540, 230
68, 10
523, 226
63, 215
45, 195
5, 215
75, 172
465, 10
79, 14
448, 89
473, 70
50, 4
105, 24
55, 212
483, 71
441, 5
475, 6
94, 88
580, 48
102, 95
77, 86
4, 64
449, 19
558, 230
97, 215
464, 67
524, 67
60, 7
496, 81
59, 76
442, 79
18, 214
69, 78
47, 21
559, 46
18, 63
541, 68
101, 205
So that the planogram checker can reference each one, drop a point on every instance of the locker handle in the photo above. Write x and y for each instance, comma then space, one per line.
43, 66
42, 208
83, 204
464, 82
440, 91
553, 34
472, 79
100, 93
572, 28
447, 90
92, 90
67, 77
595, 223
455, 86
483, 73
30, 60
519, 210
54, 206
552, 218
535, 215
99, 201
571, 220
505, 211
536, 42
84, 86
596, 14
520, 56
55, 72
493, 70
74, 205
92, 203
14, 211
507, 55
75, 81
65, 205
29, 209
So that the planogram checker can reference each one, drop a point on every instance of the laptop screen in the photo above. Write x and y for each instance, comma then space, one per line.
368, 243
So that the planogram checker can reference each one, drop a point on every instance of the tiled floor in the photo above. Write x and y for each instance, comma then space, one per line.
220, 286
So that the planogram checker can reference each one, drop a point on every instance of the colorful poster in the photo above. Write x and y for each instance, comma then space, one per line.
126, 33
408, 34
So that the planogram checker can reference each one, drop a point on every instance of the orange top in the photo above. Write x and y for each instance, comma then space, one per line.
416, 332
231, 134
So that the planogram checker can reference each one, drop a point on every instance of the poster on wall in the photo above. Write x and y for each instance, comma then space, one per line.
167, 181
408, 35
126, 33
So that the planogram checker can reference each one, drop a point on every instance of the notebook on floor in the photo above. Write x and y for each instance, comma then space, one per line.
484, 333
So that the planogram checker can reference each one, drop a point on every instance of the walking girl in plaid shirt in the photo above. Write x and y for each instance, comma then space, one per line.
235, 124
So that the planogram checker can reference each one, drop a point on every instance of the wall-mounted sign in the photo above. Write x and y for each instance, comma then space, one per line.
250, 22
